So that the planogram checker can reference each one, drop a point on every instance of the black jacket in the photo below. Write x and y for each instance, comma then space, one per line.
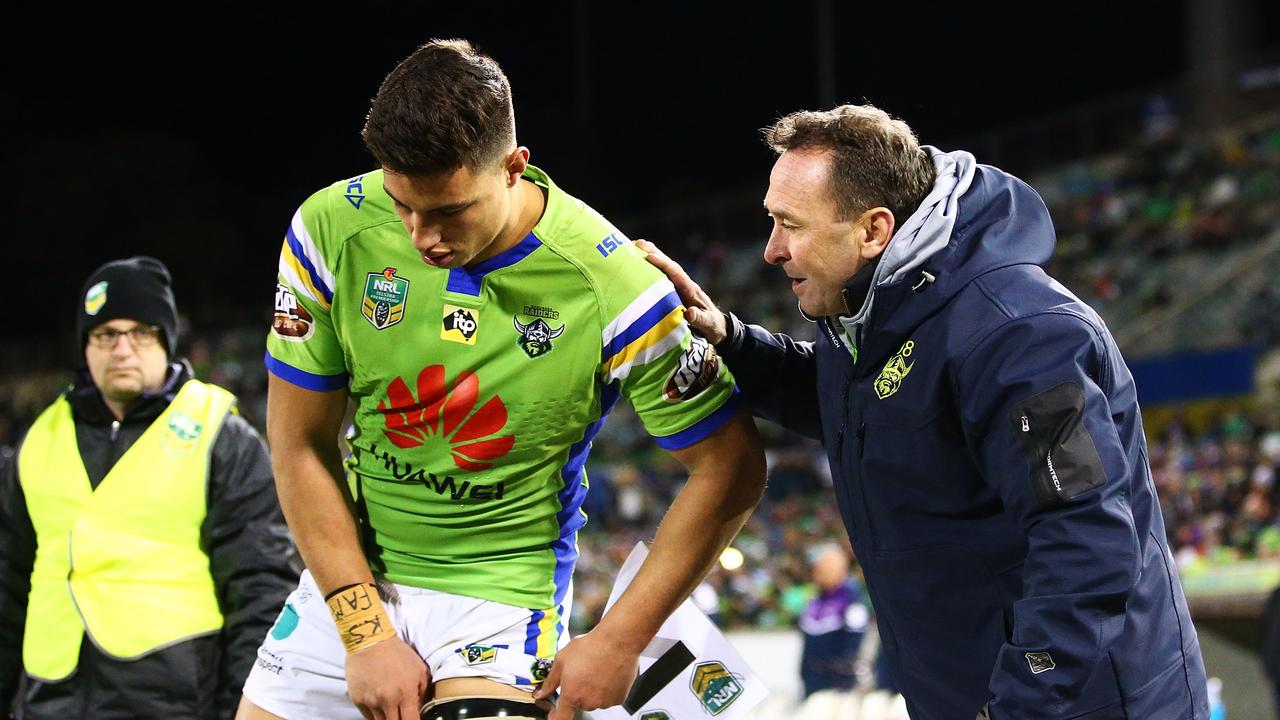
251, 559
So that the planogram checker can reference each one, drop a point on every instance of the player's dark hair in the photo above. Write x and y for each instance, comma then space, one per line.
875, 158
444, 107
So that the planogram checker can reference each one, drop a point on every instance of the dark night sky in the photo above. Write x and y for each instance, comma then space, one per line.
195, 139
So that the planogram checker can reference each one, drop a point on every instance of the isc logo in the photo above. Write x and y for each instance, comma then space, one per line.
609, 244
355, 192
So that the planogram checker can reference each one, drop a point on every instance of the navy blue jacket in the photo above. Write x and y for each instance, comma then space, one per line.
991, 469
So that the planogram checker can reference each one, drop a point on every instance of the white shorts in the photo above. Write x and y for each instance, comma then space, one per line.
301, 666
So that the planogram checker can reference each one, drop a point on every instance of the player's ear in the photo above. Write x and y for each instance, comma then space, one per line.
515, 163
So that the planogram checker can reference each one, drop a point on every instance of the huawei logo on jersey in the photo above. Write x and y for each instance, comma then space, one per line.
438, 410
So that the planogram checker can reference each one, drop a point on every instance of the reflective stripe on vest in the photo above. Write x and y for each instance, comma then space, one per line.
122, 561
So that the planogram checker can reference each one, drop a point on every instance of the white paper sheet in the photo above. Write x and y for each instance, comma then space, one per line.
716, 684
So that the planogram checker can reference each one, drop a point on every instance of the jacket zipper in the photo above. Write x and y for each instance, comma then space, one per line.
844, 414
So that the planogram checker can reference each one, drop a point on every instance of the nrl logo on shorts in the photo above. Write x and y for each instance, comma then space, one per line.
535, 338
895, 371
540, 669
479, 654
715, 687
384, 297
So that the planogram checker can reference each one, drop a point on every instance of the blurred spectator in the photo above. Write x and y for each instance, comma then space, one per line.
833, 624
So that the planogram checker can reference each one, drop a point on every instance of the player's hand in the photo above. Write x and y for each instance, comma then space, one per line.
591, 673
387, 681
702, 314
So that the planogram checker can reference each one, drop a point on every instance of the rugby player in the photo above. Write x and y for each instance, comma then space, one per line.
483, 323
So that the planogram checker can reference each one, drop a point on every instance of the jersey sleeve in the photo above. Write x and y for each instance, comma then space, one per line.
673, 378
302, 346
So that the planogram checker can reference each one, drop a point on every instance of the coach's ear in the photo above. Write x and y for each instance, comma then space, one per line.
516, 162
876, 227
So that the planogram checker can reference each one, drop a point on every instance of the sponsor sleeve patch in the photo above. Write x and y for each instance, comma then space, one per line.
696, 370
291, 320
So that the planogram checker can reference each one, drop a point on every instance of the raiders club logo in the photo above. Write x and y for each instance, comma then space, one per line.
895, 371
535, 338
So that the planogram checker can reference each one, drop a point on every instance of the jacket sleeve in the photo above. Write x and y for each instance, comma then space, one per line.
778, 376
18, 540
1033, 397
251, 554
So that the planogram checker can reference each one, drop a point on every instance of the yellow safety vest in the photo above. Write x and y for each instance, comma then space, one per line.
122, 561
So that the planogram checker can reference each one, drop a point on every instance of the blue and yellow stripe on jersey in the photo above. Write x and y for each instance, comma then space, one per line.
646, 329
302, 266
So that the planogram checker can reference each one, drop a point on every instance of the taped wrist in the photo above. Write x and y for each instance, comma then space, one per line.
361, 619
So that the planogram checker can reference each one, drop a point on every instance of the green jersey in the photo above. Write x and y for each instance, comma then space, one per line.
478, 390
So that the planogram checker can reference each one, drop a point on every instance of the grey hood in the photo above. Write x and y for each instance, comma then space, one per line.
926, 232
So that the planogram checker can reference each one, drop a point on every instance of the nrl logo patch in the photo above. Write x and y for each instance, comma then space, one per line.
459, 325
479, 654
891, 377
95, 298
696, 369
535, 338
291, 321
714, 686
384, 298
1040, 662
540, 669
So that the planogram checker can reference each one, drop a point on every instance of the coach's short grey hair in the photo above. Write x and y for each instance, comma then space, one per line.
875, 158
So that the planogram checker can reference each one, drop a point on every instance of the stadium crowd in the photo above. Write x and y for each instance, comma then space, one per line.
1132, 228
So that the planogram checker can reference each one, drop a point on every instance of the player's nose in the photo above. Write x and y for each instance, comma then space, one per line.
426, 237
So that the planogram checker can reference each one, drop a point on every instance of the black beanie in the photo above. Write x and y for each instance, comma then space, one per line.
138, 288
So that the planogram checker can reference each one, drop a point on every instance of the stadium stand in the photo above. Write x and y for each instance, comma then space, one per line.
1176, 243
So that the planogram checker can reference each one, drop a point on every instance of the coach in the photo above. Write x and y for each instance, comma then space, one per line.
981, 427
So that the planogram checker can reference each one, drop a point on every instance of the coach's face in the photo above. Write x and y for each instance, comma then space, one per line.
460, 217
819, 250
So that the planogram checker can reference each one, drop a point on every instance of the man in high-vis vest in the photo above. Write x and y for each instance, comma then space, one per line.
143, 554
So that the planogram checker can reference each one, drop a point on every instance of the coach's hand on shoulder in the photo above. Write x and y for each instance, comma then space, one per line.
591, 673
701, 312
387, 681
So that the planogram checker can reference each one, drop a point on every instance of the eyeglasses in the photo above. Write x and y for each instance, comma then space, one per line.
140, 336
